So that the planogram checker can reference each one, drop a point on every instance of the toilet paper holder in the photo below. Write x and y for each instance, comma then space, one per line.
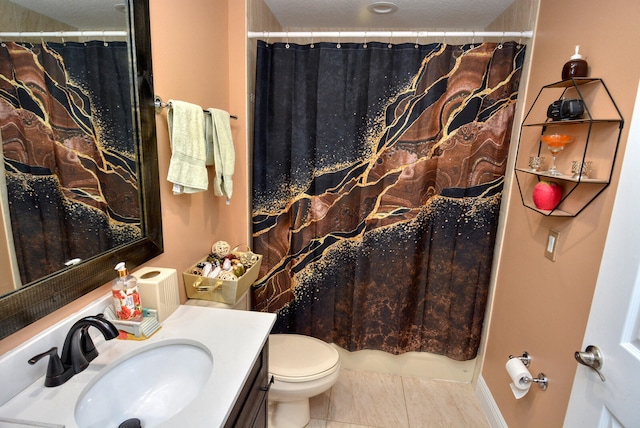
541, 380
525, 358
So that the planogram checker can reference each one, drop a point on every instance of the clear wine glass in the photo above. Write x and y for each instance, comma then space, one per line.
555, 143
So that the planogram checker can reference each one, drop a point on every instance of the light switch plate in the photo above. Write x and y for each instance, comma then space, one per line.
552, 245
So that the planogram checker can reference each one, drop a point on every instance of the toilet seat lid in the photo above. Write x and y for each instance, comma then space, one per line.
294, 357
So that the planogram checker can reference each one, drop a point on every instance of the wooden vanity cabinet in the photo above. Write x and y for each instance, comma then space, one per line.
250, 410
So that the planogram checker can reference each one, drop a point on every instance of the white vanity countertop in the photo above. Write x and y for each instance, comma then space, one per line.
234, 338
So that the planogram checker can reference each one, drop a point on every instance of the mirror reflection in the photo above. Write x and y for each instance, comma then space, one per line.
66, 125
69, 168
76, 121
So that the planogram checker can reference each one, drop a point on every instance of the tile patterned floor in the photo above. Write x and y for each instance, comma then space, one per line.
368, 399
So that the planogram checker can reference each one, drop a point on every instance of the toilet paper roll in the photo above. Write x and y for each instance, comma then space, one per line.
519, 374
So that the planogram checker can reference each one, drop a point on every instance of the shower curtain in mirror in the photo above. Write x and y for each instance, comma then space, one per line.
69, 151
377, 179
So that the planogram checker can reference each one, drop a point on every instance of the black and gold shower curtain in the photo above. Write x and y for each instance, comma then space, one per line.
377, 180
69, 151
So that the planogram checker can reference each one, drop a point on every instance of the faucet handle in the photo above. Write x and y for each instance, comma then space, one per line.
57, 374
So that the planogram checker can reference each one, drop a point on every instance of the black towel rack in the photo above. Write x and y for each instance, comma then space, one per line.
159, 104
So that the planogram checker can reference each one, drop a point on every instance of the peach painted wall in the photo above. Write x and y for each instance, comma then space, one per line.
196, 60
542, 306
10, 275
199, 57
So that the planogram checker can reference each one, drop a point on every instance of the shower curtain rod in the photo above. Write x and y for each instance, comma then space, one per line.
42, 34
386, 34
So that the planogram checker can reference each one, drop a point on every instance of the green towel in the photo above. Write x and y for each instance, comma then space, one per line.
221, 146
187, 167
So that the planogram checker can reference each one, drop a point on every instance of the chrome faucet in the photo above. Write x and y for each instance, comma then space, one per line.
78, 350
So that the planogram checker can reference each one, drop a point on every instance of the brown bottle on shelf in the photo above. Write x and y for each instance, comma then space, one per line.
575, 67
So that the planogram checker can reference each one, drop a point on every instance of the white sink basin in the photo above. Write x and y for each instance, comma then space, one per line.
151, 384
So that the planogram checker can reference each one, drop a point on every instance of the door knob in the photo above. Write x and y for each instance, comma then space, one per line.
591, 357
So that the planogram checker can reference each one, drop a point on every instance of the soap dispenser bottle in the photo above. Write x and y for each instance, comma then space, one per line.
575, 67
126, 296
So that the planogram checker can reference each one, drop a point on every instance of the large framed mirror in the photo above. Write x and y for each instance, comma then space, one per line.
88, 133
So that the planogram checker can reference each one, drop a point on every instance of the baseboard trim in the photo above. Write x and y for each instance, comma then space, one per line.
488, 404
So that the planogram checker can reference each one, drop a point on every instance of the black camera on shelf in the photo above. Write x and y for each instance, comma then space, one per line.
566, 109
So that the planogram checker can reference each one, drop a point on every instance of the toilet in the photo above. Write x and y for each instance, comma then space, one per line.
301, 366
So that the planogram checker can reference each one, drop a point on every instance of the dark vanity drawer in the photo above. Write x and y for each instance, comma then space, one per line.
251, 408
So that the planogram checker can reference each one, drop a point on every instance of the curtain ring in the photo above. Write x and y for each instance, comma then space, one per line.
287, 45
501, 40
444, 38
473, 40
104, 39
312, 44
365, 40
389, 45
417, 37
42, 38
265, 34
338, 45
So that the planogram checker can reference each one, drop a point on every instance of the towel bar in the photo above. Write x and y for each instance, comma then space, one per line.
159, 104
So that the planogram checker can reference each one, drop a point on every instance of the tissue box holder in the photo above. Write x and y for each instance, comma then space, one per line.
220, 290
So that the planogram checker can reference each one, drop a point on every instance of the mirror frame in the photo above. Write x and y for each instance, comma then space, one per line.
39, 298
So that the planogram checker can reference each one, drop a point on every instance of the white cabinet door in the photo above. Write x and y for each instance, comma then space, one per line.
614, 321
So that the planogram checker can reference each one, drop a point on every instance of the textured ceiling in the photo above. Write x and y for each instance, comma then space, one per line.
95, 15
339, 14
411, 14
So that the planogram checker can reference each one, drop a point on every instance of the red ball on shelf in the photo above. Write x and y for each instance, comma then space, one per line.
547, 195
